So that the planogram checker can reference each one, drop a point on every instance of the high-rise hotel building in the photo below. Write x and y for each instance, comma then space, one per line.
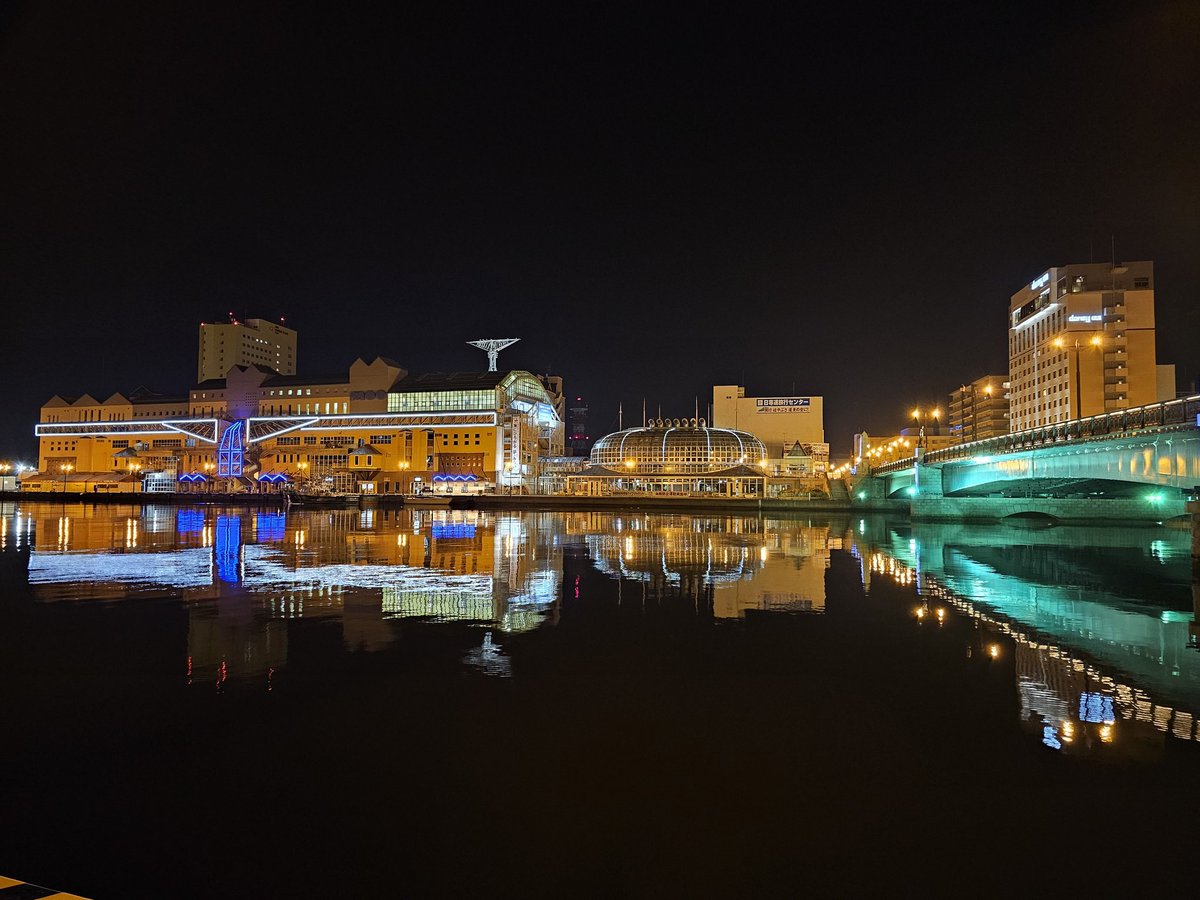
979, 410
253, 342
1081, 343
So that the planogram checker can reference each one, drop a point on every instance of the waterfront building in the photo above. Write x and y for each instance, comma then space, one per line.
376, 429
1081, 342
979, 410
553, 472
554, 387
791, 428
675, 456
253, 342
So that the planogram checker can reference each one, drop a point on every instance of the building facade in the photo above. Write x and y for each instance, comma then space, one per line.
254, 342
791, 428
1081, 342
376, 429
674, 456
979, 410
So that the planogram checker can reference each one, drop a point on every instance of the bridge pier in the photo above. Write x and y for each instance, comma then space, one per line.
927, 479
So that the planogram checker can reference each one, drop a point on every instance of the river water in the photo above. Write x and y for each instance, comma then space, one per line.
200, 702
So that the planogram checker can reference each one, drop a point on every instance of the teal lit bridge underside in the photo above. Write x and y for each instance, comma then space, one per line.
1147, 459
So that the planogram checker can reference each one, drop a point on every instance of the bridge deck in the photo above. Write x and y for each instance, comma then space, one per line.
1169, 416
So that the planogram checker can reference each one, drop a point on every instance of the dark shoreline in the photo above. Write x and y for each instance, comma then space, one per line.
483, 502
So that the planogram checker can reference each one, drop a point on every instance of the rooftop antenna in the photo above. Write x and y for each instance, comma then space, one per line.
493, 346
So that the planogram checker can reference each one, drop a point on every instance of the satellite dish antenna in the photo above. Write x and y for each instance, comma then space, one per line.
493, 346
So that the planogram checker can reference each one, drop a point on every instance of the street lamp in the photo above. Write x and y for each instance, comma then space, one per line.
66, 468
919, 420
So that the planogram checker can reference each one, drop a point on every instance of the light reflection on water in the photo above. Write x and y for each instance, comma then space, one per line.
1096, 623
1100, 621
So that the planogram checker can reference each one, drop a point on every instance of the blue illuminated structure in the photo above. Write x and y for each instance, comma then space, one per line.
1098, 708
270, 526
455, 476
189, 521
450, 530
227, 548
231, 452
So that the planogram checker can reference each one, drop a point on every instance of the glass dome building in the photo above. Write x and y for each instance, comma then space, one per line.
675, 456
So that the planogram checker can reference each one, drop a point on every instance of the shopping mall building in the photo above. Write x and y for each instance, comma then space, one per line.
680, 456
376, 429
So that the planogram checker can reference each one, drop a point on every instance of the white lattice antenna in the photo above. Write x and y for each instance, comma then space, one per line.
493, 346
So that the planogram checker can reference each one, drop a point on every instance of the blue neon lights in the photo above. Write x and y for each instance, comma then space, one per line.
450, 530
444, 476
1094, 707
189, 521
231, 452
227, 549
270, 526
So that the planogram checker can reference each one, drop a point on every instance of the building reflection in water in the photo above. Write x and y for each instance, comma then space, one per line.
1097, 624
1098, 621
243, 576
732, 564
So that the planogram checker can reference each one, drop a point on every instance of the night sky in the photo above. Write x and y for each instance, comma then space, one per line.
834, 200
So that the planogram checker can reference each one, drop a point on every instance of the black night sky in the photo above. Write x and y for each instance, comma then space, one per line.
834, 199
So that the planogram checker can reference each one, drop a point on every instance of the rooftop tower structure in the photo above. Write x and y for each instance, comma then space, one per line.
493, 346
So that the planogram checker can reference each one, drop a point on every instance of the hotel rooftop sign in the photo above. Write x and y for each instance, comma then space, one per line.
783, 404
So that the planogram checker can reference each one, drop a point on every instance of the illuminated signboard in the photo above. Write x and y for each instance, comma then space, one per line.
1080, 317
783, 404
1040, 282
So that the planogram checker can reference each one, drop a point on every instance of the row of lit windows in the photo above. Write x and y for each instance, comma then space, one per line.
303, 409
453, 439
426, 401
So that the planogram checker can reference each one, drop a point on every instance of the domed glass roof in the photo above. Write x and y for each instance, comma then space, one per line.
684, 449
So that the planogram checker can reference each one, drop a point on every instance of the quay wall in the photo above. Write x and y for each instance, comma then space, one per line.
993, 509
919, 508
132, 498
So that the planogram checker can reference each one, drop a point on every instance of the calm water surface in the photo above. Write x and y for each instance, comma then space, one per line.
203, 702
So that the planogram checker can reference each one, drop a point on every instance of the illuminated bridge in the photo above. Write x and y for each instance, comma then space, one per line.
1140, 463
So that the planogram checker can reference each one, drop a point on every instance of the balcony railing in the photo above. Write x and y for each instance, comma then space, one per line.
1171, 415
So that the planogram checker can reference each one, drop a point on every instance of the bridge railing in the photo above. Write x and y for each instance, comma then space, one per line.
1169, 414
